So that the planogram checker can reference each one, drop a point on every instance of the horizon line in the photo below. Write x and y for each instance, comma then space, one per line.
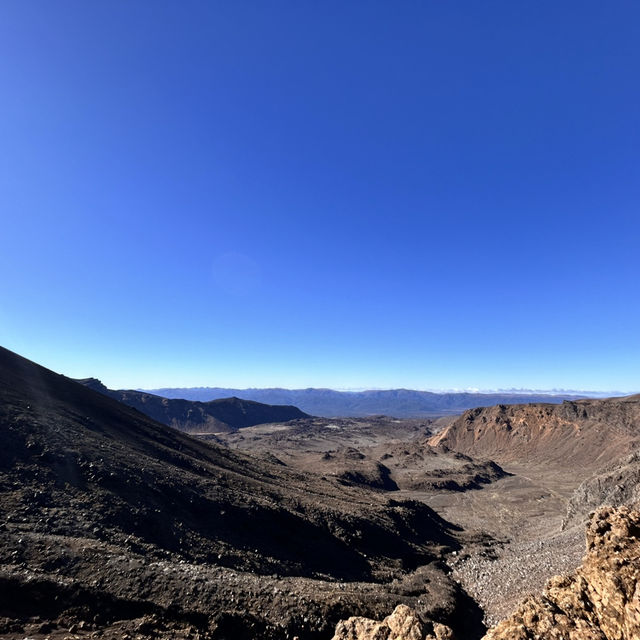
470, 390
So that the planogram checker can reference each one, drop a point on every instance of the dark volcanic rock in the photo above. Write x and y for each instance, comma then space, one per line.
369, 474
114, 522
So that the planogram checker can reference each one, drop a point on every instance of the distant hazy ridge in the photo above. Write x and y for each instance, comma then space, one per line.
401, 403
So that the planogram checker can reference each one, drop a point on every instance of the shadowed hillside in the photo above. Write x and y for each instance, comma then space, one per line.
114, 521
224, 414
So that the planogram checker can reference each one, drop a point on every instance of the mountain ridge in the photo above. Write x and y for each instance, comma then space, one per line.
399, 403
589, 433
192, 416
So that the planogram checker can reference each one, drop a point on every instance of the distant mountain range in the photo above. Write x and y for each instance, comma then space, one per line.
222, 414
400, 403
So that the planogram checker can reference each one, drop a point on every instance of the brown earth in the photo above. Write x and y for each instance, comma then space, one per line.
115, 525
566, 461
520, 529
512, 538
379, 453
326, 434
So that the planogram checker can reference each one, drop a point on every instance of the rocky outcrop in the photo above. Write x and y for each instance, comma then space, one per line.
403, 624
600, 601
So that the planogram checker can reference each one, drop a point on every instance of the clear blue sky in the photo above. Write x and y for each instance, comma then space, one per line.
347, 194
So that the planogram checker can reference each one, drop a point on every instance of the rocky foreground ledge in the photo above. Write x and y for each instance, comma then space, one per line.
600, 601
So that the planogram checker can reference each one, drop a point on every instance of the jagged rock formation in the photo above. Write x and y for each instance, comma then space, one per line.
216, 416
600, 601
403, 624
585, 434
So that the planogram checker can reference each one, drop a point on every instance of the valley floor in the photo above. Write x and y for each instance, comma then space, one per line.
512, 536
524, 515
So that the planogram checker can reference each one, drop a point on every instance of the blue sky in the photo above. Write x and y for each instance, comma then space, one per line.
342, 194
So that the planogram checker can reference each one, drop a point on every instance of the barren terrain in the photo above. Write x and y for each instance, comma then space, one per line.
522, 522
511, 517
113, 525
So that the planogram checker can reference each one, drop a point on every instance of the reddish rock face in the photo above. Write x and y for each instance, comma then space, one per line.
586, 434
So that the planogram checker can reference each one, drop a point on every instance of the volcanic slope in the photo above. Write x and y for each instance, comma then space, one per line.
215, 416
113, 524
584, 434
565, 461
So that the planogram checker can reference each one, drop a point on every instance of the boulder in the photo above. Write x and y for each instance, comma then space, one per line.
403, 624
